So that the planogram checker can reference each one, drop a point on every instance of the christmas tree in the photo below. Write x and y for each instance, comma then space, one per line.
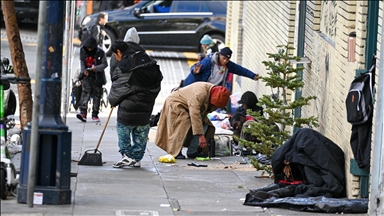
274, 127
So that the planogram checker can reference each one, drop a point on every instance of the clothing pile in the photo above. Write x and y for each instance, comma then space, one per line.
308, 168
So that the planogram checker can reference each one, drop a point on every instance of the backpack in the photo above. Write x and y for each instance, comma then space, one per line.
359, 101
139, 59
85, 33
154, 119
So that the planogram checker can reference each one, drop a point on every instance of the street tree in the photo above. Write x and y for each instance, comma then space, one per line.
18, 61
284, 78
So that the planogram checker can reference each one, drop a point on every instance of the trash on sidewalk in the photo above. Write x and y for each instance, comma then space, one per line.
167, 159
197, 165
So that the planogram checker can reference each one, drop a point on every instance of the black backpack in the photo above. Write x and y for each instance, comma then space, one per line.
85, 33
359, 101
139, 59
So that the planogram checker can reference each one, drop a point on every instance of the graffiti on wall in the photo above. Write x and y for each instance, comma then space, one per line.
328, 18
318, 83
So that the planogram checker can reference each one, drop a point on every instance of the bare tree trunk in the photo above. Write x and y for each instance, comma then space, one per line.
18, 61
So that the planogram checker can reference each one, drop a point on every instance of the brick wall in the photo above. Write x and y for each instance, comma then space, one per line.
328, 76
266, 24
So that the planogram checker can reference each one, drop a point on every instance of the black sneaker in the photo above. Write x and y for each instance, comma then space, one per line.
82, 117
180, 156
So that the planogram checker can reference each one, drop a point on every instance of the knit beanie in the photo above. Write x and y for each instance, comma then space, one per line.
206, 39
226, 52
219, 96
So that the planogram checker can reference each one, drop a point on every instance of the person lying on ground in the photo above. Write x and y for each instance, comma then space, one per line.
184, 121
214, 69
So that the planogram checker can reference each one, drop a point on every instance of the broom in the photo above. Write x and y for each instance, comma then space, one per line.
92, 157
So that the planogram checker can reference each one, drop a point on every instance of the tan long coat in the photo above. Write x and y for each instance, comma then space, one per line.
184, 109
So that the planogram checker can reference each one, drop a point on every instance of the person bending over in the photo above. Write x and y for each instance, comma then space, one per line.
184, 122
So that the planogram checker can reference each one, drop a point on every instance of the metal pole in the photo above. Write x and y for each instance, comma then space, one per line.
67, 57
376, 198
66, 47
36, 104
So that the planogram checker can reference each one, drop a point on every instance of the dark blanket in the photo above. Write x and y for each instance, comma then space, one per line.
317, 176
313, 204
314, 159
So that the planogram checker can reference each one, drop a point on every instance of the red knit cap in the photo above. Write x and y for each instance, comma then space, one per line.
219, 96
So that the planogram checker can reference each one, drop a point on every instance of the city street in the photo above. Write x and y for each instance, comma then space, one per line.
173, 68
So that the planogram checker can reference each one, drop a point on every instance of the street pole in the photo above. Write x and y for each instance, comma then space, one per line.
376, 197
67, 61
53, 162
36, 105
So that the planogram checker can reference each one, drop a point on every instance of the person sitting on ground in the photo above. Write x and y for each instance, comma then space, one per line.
208, 45
214, 69
237, 121
249, 101
184, 121
134, 89
92, 64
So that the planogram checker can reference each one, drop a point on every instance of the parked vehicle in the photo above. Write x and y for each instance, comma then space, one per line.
26, 11
165, 24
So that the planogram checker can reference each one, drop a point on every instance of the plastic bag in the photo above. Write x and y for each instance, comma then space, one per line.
167, 159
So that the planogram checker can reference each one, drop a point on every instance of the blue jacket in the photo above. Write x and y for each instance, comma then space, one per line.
206, 69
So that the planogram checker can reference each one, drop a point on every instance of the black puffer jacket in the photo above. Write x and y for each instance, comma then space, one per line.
135, 91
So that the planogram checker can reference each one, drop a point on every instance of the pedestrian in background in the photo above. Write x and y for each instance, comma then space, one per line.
92, 64
184, 122
98, 30
208, 45
134, 90
215, 69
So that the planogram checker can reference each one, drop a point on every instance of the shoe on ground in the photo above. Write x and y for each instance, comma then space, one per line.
126, 161
95, 119
82, 117
180, 156
197, 154
137, 164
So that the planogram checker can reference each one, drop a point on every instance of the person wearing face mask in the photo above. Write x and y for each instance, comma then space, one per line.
184, 122
215, 68
92, 64
134, 90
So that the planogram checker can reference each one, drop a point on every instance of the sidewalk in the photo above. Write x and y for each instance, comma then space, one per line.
154, 189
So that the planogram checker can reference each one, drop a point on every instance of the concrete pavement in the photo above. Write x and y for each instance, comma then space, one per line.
163, 189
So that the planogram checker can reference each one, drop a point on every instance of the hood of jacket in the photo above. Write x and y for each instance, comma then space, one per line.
132, 36
90, 43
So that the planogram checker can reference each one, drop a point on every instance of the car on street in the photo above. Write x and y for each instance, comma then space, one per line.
26, 10
165, 24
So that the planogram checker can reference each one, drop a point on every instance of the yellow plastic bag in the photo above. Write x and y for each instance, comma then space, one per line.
167, 159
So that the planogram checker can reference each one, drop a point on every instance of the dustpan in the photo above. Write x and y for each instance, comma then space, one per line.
93, 157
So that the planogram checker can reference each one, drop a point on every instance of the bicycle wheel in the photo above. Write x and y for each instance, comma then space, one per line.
104, 99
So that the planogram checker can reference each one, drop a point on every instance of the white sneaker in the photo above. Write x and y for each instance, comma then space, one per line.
137, 164
126, 161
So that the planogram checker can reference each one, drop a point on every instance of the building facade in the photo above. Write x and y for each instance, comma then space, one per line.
320, 32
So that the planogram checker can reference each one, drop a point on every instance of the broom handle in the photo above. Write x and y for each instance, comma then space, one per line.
105, 126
